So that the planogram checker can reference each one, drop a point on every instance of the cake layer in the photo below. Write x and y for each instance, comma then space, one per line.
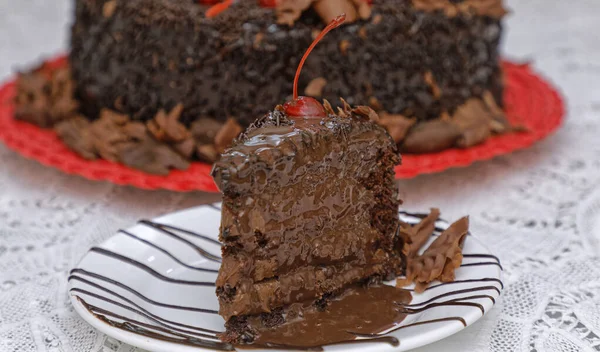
305, 284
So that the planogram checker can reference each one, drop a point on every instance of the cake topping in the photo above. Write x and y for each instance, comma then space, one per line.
289, 11
492, 8
397, 125
117, 138
45, 97
166, 126
308, 107
315, 87
420, 233
440, 259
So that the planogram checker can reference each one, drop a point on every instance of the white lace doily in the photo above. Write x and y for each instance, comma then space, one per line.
539, 210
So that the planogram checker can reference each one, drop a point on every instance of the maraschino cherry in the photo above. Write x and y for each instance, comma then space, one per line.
307, 107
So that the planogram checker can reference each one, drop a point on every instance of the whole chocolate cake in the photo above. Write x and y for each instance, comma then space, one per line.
194, 74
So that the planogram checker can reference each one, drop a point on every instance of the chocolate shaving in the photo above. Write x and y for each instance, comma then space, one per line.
230, 130
435, 89
375, 104
152, 157
109, 8
45, 97
431, 136
289, 11
32, 99
116, 138
166, 127
420, 233
474, 120
397, 125
440, 260
367, 112
315, 87
328, 107
207, 152
107, 134
75, 133
62, 89
491, 8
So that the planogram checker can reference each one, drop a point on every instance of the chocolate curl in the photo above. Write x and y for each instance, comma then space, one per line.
440, 260
420, 233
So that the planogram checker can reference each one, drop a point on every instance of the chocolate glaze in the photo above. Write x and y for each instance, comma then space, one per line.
365, 310
147, 269
383, 339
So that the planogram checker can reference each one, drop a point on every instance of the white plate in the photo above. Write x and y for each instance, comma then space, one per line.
174, 269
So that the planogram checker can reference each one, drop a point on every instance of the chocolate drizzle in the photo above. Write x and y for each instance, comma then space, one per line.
162, 250
481, 264
144, 329
91, 285
165, 229
147, 269
452, 293
73, 276
444, 304
158, 320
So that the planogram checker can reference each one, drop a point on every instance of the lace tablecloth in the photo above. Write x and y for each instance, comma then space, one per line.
539, 210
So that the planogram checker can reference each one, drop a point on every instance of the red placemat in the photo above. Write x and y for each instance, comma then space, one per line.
529, 101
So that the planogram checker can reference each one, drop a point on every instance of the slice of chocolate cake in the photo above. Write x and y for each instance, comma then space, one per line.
310, 208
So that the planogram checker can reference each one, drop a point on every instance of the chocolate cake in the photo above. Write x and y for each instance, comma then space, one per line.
309, 208
430, 68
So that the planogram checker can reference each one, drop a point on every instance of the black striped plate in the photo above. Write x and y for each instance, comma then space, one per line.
153, 286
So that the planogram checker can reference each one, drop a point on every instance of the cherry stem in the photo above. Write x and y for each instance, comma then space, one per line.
332, 25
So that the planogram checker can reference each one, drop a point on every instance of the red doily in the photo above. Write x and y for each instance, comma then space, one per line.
529, 101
